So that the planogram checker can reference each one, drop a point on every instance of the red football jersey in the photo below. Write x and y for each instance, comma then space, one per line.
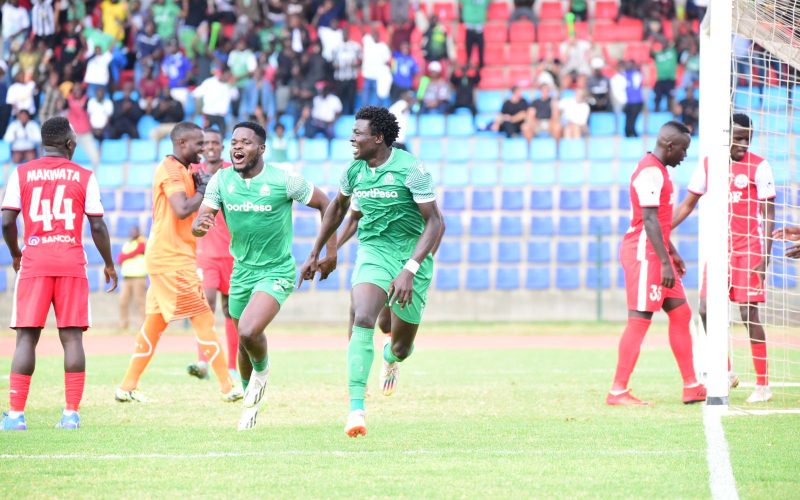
650, 187
751, 183
53, 195
217, 242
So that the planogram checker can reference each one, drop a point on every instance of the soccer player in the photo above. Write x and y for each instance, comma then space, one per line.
176, 291
256, 199
215, 262
53, 194
752, 194
399, 228
653, 268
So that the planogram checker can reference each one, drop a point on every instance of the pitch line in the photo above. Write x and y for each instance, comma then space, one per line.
720, 477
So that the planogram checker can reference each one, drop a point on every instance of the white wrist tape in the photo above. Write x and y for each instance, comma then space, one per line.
412, 266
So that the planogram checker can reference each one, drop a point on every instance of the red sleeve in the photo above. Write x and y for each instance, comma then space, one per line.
139, 250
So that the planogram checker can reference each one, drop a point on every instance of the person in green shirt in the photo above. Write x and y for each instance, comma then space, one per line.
256, 200
399, 226
473, 15
165, 15
666, 60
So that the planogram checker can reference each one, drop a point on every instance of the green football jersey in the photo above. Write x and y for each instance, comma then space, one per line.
387, 198
258, 213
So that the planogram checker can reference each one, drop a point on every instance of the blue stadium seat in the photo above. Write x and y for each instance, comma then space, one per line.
108, 197
514, 149
688, 227
315, 149
145, 150
568, 278
509, 252
331, 283
430, 150
543, 174
537, 278
570, 226
341, 150
481, 226
140, 175
776, 98
541, 200
623, 223
773, 124
458, 150
93, 256
783, 275
483, 199
599, 224
124, 225
146, 125
95, 283
490, 101
512, 200
477, 278
484, 175
455, 175
453, 225
460, 126
602, 149
81, 157
3, 281
593, 275
571, 173
110, 176
485, 149
453, 200
570, 199
601, 173
598, 251
114, 151
514, 174
539, 251
543, 150
134, 201
449, 252
300, 251
5, 258
624, 198
572, 149
691, 280
506, 278
689, 250
599, 199
480, 252
568, 252
631, 149
509, 225
314, 172
602, 124
448, 279
621, 278
542, 226
305, 226
164, 148
5, 157
343, 127
744, 99
656, 119
431, 126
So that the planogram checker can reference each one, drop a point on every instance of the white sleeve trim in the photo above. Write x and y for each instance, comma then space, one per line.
765, 181
697, 184
212, 198
93, 205
648, 185
13, 198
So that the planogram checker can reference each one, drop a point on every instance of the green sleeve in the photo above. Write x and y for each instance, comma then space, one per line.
344, 184
298, 188
420, 182
212, 198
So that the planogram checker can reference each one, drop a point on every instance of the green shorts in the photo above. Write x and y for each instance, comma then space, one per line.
380, 268
245, 282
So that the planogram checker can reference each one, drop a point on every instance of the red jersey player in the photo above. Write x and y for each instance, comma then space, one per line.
53, 194
215, 262
752, 192
653, 268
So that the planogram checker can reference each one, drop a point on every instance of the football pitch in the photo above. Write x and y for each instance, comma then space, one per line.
469, 419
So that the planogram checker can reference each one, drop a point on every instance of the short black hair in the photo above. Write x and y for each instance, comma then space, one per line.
181, 128
255, 127
742, 120
381, 122
680, 127
212, 130
56, 131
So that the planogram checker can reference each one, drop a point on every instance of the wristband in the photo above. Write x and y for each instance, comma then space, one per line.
412, 266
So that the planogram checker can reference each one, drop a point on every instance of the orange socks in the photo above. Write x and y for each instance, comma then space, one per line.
203, 325
146, 341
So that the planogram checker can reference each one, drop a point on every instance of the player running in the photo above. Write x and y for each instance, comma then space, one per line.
215, 262
752, 195
175, 289
653, 268
53, 194
256, 199
399, 228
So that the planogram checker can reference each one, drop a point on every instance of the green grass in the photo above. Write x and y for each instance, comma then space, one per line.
493, 423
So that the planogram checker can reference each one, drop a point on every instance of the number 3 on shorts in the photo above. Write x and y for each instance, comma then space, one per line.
655, 293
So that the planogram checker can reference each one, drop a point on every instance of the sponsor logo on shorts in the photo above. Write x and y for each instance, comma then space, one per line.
281, 285
375, 193
247, 206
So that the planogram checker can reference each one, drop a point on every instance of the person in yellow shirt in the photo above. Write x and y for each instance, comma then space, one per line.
134, 277
115, 14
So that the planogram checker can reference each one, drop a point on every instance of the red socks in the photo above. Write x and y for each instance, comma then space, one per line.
232, 337
680, 340
629, 346
18, 391
759, 351
73, 389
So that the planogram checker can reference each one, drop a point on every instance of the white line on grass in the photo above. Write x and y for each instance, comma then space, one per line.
721, 480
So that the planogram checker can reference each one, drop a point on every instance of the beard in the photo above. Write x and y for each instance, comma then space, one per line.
248, 167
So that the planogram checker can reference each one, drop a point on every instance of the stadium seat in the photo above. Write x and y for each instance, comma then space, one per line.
485, 149
481, 226
448, 279
570, 225
315, 149
514, 174
453, 225
602, 124
515, 149
623, 223
595, 275
124, 224
482, 199
458, 150
109, 176
571, 173
479, 252
490, 101
543, 174
688, 249
537, 278
568, 252
691, 280
601, 173
449, 252
519, 54
498, 11
93, 256
551, 33
145, 126
341, 150
509, 225
453, 200
599, 224
81, 157
783, 275
656, 119
598, 252
5, 258
522, 32
542, 226
305, 226
688, 227
506, 278
605, 9
331, 283
539, 251
551, 10
134, 201
631, 149
744, 99
114, 151
568, 278
5, 157
445, 11
93, 275
602, 149
455, 175
509, 252
512, 200
343, 128
484, 175
477, 278
541, 200
776, 98
314, 172
624, 198
108, 197
570, 199
144, 151
431, 126
599, 199
300, 251
572, 149
543, 150
460, 126
164, 147
430, 150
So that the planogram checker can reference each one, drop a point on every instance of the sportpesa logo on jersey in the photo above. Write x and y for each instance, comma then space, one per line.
247, 206
374, 193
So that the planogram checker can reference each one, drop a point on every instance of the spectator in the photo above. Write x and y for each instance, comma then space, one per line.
523, 9
148, 49
283, 78
691, 66
165, 15
15, 26
279, 148
436, 43
436, 98
325, 109
298, 34
400, 33
512, 114
328, 13
97, 72
21, 94
579, 9
221, 11
79, 119
402, 111
315, 68
346, 61
473, 15
265, 111
404, 69
44, 22
115, 17
150, 89
68, 63
243, 65
575, 115
689, 110
375, 69
100, 108
193, 13
24, 136
619, 88
217, 94
250, 10
30, 59
575, 57
303, 91
666, 61
331, 37
599, 87
134, 278
465, 80
127, 113
177, 68
542, 116
5, 108
203, 59
168, 113
634, 98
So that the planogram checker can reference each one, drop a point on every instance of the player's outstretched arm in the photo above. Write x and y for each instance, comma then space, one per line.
320, 201
103, 244
11, 235
685, 208
334, 215
653, 230
350, 228
204, 222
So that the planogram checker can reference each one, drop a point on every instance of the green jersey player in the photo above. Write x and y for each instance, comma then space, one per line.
256, 200
399, 227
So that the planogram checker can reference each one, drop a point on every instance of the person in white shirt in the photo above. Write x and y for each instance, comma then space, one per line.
376, 70
325, 109
575, 113
100, 109
24, 135
331, 37
217, 94
402, 111
15, 26
97, 71
21, 93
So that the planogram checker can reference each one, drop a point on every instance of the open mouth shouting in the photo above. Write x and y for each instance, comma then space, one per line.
238, 158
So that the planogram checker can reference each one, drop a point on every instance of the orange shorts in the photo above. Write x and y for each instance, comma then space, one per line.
176, 295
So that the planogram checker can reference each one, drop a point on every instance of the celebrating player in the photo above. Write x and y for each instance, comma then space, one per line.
653, 268
214, 260
752, 192
53, 194
399, 228
256, 199
175, 289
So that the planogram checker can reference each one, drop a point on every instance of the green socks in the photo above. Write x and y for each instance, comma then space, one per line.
260, 366
389, 356
244, 383
360, 353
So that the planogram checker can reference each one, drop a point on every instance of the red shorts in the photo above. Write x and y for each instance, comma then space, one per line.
744, 286
216, 274
68, 294
643, 284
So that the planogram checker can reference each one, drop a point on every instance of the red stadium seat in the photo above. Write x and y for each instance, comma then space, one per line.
605, 10
548, 51
637, 51
461, 55
522, 31
493, 78
445, 11
495, 55
416, 37
551, 11
519, 54
495, 33
582, 31
498, 11
459, 33
520, 75
648, 75
550, 32
604, 32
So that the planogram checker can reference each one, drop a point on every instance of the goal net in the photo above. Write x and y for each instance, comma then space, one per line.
764, 85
